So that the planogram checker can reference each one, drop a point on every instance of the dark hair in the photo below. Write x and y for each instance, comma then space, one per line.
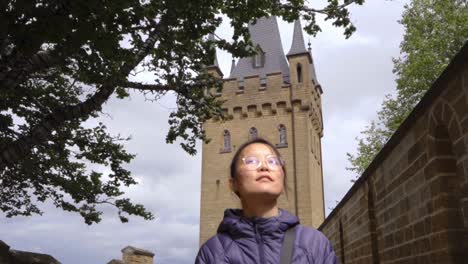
236, 158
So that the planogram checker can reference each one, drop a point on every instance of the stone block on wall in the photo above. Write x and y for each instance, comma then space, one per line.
133, 255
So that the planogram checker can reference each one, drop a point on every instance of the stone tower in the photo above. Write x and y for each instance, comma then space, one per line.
275, 97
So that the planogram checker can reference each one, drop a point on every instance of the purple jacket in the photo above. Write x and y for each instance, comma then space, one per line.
243, 241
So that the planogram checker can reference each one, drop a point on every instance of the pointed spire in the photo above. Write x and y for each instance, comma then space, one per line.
297, 46
214, 66
215, 61
233, 65
265, 34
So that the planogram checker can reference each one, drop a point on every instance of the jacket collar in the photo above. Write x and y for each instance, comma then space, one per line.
236, 225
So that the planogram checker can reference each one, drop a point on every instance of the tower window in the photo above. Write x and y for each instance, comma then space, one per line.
258, 59
299, 73
253, 133
227, 142
283, 142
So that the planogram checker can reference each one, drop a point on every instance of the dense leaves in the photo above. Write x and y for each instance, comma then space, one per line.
60, 61
435, 30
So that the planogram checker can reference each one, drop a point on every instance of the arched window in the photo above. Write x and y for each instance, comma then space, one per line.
282, 132
227, 141
283, 142
258, 59
299, 73
253, 133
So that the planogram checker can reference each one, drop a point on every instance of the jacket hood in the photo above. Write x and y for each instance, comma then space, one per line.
236, 225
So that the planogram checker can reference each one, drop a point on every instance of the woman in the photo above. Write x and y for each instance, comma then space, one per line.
255, 233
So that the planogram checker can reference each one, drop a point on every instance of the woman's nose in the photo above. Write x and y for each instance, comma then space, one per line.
263, 166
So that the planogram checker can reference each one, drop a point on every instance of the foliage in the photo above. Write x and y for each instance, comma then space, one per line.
435, 30
60, 61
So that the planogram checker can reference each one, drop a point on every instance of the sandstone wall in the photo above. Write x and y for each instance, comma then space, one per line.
411, 204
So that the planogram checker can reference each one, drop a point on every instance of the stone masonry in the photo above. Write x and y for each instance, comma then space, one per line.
411, 204
133, 255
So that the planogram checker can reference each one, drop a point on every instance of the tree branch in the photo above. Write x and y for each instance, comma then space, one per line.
324, 10
21, 147
147, 87
11, 78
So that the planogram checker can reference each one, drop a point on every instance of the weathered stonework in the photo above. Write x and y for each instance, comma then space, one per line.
132, 255
411, 204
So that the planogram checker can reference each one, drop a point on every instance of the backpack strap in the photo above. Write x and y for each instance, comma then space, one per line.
288, 246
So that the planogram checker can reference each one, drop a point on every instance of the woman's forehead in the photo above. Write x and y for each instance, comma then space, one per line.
258, 148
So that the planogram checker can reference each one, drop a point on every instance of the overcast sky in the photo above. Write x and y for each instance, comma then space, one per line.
355, 74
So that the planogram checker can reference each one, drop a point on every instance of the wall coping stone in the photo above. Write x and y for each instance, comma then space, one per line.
137, 251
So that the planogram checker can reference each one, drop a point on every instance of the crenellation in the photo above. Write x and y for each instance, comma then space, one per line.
267, 109
252, 111
271, 109
254, 85
296, 105
237, 112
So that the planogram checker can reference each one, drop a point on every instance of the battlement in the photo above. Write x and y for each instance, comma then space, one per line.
254, 96
254, 84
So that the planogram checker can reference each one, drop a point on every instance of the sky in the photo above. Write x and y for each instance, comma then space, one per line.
354, 73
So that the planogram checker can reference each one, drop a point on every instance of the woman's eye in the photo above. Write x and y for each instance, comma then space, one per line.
251, 161
273, 161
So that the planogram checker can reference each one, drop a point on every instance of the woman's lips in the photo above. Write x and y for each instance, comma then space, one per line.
264, 177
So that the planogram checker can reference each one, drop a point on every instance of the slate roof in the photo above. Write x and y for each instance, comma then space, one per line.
297, 46
266, 34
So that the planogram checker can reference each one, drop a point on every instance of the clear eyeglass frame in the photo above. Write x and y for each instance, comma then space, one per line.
273, 162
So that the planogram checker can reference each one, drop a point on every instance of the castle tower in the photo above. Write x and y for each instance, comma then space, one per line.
275, 97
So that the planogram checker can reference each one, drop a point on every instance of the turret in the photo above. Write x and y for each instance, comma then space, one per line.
214, 67
299, 58
302, 72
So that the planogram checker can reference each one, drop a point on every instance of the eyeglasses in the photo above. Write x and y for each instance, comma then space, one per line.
253, 162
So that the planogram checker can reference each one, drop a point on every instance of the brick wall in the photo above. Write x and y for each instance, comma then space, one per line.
411, 204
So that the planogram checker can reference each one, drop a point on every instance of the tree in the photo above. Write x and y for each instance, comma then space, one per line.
435, 30
60, 61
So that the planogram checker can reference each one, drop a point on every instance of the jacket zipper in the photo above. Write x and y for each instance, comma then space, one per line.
259, 239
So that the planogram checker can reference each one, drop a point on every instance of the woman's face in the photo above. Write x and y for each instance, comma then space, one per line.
265, 180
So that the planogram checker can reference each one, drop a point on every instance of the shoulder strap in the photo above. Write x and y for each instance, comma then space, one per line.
288, 246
